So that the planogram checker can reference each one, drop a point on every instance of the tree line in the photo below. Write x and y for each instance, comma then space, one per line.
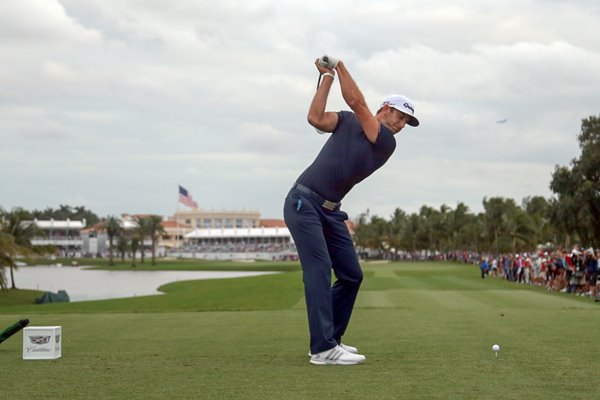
64, 212
132, 240
571, 215
503, 226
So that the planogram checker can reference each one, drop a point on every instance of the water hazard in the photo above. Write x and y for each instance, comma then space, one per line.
85, 284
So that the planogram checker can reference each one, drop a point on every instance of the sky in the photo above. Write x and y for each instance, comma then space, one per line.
112, 104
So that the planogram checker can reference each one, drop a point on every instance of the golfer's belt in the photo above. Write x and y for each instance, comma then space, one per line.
326, 204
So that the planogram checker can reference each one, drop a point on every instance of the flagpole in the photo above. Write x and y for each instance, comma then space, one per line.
177, 223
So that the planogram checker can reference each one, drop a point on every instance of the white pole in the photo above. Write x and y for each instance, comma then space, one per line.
177, 223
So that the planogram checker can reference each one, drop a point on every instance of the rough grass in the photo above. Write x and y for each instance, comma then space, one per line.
12, 297
426, 329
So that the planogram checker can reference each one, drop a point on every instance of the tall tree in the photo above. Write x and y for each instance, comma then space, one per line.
538, 209
474, 233
432, 224
441, 227
134, 245
9, 250
67, 212
372, 234
143, 231
521, 230
17, 231
495, 211
122, 244
578, 186
411, 233
155, 231
112, 227
361, 231
396, 228
458, 220
562, 214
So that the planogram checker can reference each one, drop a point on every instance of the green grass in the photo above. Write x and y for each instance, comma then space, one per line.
11, 297
426, 329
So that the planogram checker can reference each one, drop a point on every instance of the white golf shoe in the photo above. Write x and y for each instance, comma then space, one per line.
350, 349
337, 356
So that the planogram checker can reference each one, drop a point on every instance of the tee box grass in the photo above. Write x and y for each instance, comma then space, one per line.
426, 328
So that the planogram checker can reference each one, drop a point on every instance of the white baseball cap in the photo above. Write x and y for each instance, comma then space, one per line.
402, 103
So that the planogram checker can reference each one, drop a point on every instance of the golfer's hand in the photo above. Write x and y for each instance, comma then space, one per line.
322, 69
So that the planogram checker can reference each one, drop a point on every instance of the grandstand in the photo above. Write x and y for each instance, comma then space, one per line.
65, 235
263, 243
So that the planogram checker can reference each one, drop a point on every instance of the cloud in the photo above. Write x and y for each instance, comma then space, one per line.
41, 23
141, 95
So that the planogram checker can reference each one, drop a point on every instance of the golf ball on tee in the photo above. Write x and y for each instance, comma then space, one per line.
495, 347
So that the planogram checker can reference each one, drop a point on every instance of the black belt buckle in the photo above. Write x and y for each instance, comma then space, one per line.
326, 204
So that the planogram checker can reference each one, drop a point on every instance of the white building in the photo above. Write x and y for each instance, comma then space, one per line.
64, 235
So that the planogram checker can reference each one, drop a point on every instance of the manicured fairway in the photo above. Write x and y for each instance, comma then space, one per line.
426, 329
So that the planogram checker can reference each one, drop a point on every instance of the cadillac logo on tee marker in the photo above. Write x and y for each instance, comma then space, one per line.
39, 339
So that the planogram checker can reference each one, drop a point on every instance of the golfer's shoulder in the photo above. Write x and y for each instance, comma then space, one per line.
347, 119
344, 115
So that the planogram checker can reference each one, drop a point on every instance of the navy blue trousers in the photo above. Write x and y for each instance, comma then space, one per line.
324, 244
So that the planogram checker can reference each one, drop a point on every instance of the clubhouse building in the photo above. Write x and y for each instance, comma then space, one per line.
187, 234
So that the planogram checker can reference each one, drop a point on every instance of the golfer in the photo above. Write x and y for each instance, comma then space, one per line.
360, 143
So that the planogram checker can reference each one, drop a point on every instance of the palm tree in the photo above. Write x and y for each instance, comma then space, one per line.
112, 230
17, 232
538, 209
458, 220
155, 231
122, 245
496, 209
410, 234
473, 233
441, 228
396, 228
561, 216
134, 245
360, 231
433, 226
8, 251
522, 229
143, 231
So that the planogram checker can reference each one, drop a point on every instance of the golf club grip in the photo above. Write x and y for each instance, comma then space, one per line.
14, 328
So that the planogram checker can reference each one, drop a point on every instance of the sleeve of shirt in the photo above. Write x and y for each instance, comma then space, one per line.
385, 143
340, 121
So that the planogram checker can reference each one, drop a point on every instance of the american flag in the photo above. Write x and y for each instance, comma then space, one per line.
186, 198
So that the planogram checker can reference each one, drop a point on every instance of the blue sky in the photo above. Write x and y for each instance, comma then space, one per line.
112, 104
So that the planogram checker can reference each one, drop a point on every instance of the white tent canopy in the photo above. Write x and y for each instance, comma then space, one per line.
59, 224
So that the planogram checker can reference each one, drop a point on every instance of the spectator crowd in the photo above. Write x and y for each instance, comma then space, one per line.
573, 272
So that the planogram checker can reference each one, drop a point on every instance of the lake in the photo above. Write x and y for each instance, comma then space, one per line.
85, 284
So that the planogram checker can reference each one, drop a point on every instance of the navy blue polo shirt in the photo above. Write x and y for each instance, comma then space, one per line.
347, 158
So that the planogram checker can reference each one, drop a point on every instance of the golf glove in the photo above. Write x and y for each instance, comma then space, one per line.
328, 62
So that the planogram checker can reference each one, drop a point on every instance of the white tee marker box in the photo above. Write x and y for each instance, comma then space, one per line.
42, 342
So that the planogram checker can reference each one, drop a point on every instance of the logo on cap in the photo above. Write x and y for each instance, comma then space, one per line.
406, 105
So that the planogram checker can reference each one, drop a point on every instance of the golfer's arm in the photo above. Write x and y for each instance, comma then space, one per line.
317, 117
356, 101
